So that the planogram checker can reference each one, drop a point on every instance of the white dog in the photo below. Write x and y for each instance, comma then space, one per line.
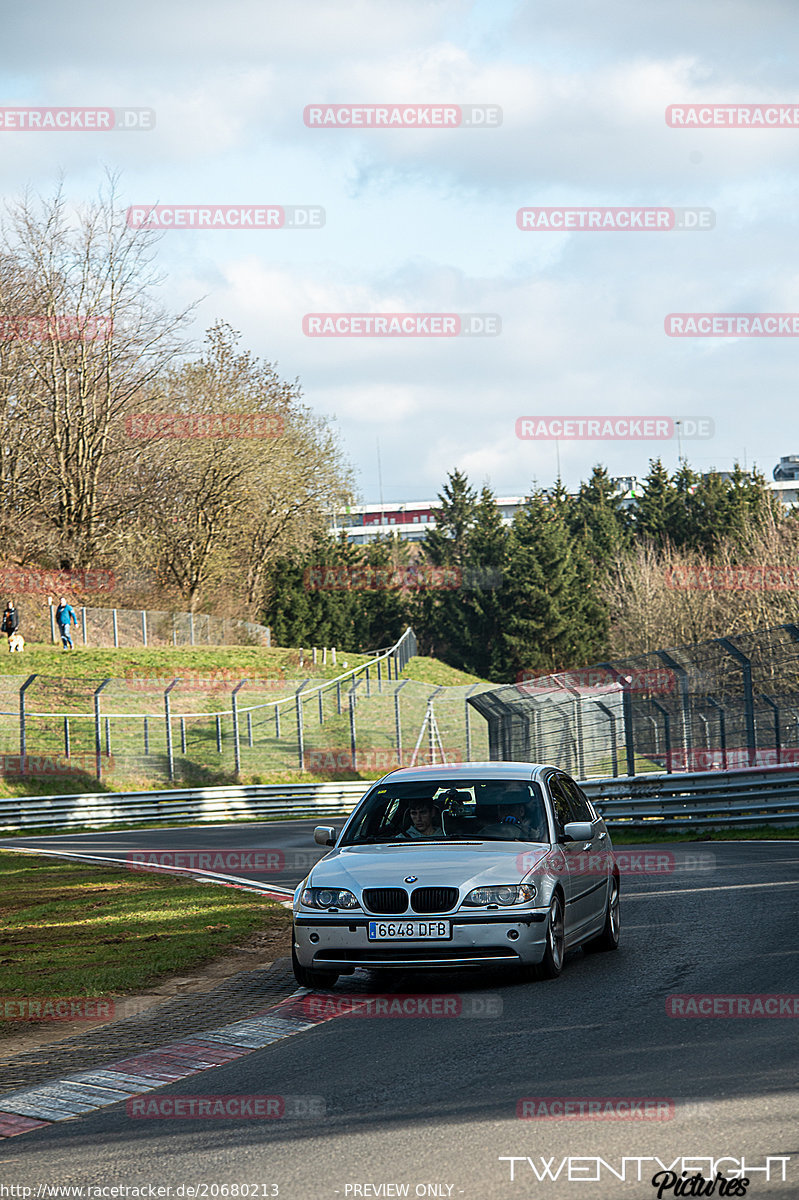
16, 642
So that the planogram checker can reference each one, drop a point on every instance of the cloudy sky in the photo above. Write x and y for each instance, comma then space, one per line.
424, 220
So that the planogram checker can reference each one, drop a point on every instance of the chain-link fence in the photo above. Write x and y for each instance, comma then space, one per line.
725, 703
128, 627
131, 732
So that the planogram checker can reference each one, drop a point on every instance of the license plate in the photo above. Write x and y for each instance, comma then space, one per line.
417, 931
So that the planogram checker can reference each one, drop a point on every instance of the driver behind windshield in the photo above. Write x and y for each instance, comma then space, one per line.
424, 818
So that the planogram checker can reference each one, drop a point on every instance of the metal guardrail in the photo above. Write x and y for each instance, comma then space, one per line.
705, 799
192, 804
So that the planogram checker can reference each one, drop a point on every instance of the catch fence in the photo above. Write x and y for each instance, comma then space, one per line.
721, 704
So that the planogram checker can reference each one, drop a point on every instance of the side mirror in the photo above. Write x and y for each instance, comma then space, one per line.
325, 835
578, 831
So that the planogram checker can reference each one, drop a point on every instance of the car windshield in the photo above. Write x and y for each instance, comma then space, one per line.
440, 810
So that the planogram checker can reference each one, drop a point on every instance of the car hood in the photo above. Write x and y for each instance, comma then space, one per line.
442, 864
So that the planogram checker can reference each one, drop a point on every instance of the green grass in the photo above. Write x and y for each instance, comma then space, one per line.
74, 930
94, 665
431, 670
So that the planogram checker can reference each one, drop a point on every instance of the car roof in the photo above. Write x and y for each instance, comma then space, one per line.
468, 770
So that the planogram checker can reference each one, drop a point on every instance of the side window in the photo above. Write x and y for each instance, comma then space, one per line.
577, 802
559, 801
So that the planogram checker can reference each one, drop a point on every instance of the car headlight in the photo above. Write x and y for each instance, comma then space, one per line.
503, 894
328, 898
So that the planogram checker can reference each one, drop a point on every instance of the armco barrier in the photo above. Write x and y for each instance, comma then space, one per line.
705, 799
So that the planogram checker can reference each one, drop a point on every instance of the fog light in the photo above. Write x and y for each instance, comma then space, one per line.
313, 937
513, 934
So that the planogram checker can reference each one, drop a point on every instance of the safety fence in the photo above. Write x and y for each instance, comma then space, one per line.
132, 627
699, 800
721, 704
196, 730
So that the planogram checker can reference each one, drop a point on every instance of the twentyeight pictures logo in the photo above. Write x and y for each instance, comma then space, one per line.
402, 116
401, 325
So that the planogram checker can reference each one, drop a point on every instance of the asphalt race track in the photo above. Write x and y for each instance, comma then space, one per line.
427, 1106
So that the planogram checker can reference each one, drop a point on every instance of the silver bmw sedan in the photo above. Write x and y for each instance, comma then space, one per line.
467, 865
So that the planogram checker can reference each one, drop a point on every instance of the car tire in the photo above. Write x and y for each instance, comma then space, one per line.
306, 977
608, 939
551, 964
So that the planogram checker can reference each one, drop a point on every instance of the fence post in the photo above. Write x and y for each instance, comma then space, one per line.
22, 730
83, 623
108, 737
146, 735
183, 736
116, 631
682, 675
749, 703
277, 721
218, 734
397, 721
722, 730
468, 722
144, 627
627, 712
66, 737
368, 689
300, 730
52, 623
353, 746
612, 718
191, 628
321, 711
168, 718
234, 704
98, 749
249, 729
338, 696
667, 733
777, 742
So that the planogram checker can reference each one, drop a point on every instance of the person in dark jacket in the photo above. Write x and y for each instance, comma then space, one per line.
10, 620
65, 616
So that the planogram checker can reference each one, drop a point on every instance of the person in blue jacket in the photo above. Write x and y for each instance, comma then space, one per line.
65, 616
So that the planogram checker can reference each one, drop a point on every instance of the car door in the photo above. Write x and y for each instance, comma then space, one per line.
592, 866
571, 852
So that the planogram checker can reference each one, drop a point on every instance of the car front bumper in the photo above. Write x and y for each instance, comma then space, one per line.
478, 939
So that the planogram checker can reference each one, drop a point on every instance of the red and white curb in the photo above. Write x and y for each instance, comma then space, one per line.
87, 1091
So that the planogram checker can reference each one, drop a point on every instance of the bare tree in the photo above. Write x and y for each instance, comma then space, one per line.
88, 341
